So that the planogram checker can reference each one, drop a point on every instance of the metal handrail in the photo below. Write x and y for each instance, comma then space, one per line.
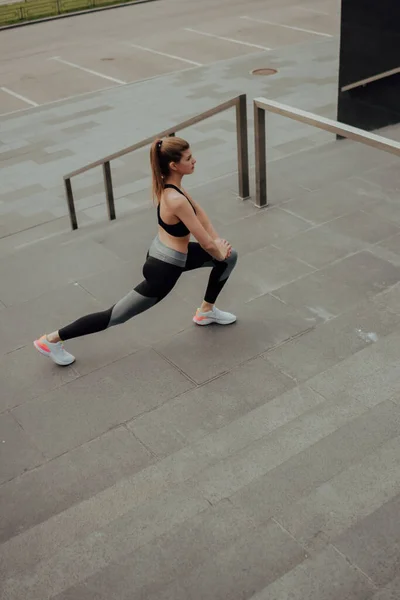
262, 105
239, 102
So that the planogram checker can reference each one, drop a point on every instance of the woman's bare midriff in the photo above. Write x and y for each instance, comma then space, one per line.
178, 244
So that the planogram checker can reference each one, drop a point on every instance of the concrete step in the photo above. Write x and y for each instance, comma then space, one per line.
147, 464
161, 505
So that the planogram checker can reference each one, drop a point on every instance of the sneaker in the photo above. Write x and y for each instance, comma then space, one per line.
213, 316
54, 351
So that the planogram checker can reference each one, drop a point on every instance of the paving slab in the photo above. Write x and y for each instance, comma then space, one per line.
18, 453
272, 493
16, 222
128, 239
339, 287
19, 380
392, 243
332, 246
384, 199
117, 343
132, 530
222, 202
338, 199
198, 412
282, 321
390, 299
333, 341
362, 226
25, 322
390, 591
57, 485
337, 505
201, 354
130, 493
248, 565
35, 235
99, 401
262, 229
59, 265
263, 454
312, 170
386, 178
159, 562
324, 577
373, 543
368, 375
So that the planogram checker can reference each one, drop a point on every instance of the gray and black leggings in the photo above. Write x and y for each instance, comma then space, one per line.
161, 271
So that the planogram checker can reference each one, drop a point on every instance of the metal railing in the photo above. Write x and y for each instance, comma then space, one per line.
262, 105
242, 155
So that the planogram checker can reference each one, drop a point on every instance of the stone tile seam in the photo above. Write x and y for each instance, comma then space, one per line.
53, 458
355, 566
31, 441
140, 441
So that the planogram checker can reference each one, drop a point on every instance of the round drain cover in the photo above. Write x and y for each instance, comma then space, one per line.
264, 71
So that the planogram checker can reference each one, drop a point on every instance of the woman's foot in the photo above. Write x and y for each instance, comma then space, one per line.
55, 351
213, 316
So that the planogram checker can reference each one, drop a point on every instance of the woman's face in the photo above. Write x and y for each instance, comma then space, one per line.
186, 165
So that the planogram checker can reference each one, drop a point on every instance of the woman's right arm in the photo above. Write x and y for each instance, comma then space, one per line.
218, 249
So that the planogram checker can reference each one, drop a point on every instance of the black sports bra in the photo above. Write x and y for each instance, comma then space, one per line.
178, 229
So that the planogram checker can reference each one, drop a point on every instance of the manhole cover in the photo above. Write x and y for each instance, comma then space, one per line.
264, 71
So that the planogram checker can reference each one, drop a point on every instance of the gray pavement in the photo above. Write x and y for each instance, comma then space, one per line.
173, 462
43, 64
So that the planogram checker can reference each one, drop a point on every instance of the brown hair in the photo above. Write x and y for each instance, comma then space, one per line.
162, 153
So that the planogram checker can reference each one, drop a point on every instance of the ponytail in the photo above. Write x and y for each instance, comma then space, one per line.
156, 173
162, 153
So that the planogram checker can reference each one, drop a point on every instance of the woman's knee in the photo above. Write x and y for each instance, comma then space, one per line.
131, 305
233, 257
232, 260
230, 263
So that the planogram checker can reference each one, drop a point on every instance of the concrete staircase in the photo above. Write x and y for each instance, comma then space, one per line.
174, 462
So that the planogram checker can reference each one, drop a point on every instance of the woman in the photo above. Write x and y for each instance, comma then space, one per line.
170, 254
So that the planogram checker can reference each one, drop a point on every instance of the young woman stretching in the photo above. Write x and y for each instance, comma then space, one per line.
170, 254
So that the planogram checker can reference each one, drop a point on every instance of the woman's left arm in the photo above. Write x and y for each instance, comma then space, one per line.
203, 218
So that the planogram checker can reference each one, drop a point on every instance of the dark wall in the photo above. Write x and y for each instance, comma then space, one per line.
369, 45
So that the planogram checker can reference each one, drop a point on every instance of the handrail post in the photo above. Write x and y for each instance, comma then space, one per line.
109, 190
71, 205
261, 156
242, 147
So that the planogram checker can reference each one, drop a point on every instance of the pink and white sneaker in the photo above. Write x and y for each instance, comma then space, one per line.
55, 351
214, 316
